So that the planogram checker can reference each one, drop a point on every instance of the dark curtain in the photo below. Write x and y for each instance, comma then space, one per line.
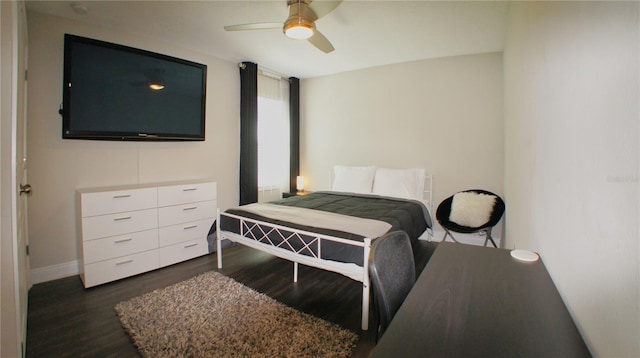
248, 133
294, 128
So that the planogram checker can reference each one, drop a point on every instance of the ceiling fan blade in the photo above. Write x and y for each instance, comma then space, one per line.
322, 7
318, 40
256, 26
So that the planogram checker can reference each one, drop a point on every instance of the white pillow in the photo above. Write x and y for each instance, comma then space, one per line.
353, 179
399, 183
471, 209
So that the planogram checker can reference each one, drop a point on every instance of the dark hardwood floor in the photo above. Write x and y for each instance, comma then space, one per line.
67, 320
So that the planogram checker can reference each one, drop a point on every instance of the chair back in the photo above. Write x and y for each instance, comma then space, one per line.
443, 213
392, 273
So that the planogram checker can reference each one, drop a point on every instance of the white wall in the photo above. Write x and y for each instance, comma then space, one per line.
572, 158
58, 167
444, 115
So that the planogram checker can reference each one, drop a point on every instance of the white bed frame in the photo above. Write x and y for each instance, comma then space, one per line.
306, 254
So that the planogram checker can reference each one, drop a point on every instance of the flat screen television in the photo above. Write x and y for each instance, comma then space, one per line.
115, 92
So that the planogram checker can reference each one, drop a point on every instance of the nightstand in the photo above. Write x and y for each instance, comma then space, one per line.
298, 193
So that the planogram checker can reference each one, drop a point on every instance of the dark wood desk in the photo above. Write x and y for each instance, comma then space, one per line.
480, 302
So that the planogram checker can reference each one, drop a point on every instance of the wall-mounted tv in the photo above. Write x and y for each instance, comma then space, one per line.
115, 92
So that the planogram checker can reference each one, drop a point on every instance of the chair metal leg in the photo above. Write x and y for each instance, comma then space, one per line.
488, 237
486, 232
447, 232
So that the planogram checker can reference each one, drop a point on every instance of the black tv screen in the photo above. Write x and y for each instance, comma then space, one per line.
115, 92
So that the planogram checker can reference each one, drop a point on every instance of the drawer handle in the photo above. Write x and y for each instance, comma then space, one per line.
190, 227
190, 208
122, 240
122, 218
124, 262
189, 189
122, 196
190, 245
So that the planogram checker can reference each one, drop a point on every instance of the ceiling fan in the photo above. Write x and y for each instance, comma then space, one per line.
300, 24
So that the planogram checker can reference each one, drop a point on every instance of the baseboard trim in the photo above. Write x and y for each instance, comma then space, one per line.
54, 272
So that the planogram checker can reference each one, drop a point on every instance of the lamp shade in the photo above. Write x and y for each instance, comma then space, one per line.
299, 32
300, 183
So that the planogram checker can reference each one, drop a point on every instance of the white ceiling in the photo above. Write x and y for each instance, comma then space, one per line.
364, 33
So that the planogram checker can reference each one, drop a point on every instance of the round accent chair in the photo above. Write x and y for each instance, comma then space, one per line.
470, 211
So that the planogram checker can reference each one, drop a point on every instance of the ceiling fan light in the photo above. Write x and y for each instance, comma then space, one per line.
298, 31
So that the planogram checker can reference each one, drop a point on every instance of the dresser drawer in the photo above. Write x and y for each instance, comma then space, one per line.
172, 215
110, 202
110, 270
188, 193
170, 235
170, 255
117, 224
116, 246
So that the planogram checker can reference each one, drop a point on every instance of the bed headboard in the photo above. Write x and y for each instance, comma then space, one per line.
427, 194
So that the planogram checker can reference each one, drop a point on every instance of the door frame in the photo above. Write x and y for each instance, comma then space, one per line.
12, 295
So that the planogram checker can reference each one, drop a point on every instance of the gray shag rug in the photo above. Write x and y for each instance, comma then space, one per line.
212, 315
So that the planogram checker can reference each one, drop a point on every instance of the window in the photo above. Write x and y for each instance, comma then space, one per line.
273, 136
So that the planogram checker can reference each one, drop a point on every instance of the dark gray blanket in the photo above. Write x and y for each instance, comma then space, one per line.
410, 216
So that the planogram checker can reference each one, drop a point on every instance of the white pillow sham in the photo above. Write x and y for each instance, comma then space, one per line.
471, 209
399, 183
353, 179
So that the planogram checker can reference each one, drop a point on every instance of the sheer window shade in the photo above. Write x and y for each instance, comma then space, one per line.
273, 134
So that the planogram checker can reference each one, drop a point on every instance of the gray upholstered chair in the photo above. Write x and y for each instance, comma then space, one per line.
392, 273
470, 211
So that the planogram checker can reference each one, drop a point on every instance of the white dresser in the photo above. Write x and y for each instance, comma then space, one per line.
128, 230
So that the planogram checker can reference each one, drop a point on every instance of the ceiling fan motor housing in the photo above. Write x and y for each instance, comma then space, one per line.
301, 17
